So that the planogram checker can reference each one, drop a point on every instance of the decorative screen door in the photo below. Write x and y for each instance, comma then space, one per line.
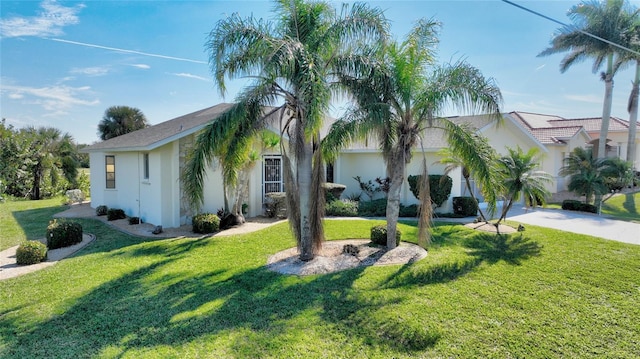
272, 175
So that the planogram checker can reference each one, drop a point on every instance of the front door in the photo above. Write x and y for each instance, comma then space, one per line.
272, 175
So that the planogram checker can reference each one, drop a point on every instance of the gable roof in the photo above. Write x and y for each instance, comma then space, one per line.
550, 129
152, 137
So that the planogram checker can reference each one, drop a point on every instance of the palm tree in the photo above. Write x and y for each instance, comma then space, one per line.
607, 20
397, 100
631, 39
519, 177
454, 160
292, 60
119, 120
586, 176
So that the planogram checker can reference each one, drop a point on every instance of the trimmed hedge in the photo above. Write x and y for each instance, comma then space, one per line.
465, 206
439, 189
115, 214
62, 233
31, 252
134, 220
573, 205
379, 235
205, 223
342, 208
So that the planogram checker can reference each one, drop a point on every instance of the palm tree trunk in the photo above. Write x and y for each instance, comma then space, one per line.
606, 108
304, 171
633, 117
468, 183
395, 171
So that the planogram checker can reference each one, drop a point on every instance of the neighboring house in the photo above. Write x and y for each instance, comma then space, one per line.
140, 172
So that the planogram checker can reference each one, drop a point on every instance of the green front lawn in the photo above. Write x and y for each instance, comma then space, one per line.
22, 219
624, 207
545, 294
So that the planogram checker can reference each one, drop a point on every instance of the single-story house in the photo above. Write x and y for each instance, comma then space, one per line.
140, 171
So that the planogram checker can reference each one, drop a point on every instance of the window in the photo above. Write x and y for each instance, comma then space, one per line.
145, 160
329, 174
110, 168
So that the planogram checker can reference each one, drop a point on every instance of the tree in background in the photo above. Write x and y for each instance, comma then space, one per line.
36, 162
519, 177
609, 20
119, 120
293, 60
399, 94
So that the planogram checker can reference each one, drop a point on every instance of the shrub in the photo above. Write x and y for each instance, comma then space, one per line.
585, 207
465, 206
115, 214
31, 252
439, 188
63, 234
571, 205
375, 208
333, 191
134, 220
101, 210
205, 223
342, 208
379, 235
408, 211
276, 204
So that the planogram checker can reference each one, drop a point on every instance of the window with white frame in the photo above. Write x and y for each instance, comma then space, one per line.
110, 170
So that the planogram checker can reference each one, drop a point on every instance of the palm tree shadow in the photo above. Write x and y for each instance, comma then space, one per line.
496, 247
630, 203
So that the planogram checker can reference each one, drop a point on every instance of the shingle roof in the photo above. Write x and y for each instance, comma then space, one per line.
157, 135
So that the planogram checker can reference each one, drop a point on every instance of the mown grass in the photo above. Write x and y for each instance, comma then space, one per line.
624, 207
22, 220
540, 294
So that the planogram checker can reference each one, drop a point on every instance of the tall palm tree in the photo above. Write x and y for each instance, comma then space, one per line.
292, 60
586, 173
119, 120
518, 174
454, 160
397, 98
606, 19
631, 38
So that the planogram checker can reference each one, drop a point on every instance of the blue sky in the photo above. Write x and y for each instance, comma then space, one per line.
63, 63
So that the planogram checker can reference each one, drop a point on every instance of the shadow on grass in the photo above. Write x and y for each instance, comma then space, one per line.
484, 247
34, 222
254, 313
630, 204
509, 248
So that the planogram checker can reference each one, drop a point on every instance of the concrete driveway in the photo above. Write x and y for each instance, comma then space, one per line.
578, 222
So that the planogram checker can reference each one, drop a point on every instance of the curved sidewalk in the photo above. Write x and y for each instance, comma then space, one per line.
577, 222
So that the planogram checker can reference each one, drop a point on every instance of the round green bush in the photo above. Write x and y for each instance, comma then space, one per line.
205, 223
342, 208
114, 214
101, 210
63, 233
379, 235
31, 252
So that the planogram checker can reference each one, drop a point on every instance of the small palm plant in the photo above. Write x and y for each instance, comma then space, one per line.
519, 177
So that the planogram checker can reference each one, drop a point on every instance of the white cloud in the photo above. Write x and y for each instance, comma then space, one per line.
49, 21
141, 66
91, 71
57, 99
190, 76
585, 98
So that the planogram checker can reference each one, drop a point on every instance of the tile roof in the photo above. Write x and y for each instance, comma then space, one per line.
550, 129
592, 124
